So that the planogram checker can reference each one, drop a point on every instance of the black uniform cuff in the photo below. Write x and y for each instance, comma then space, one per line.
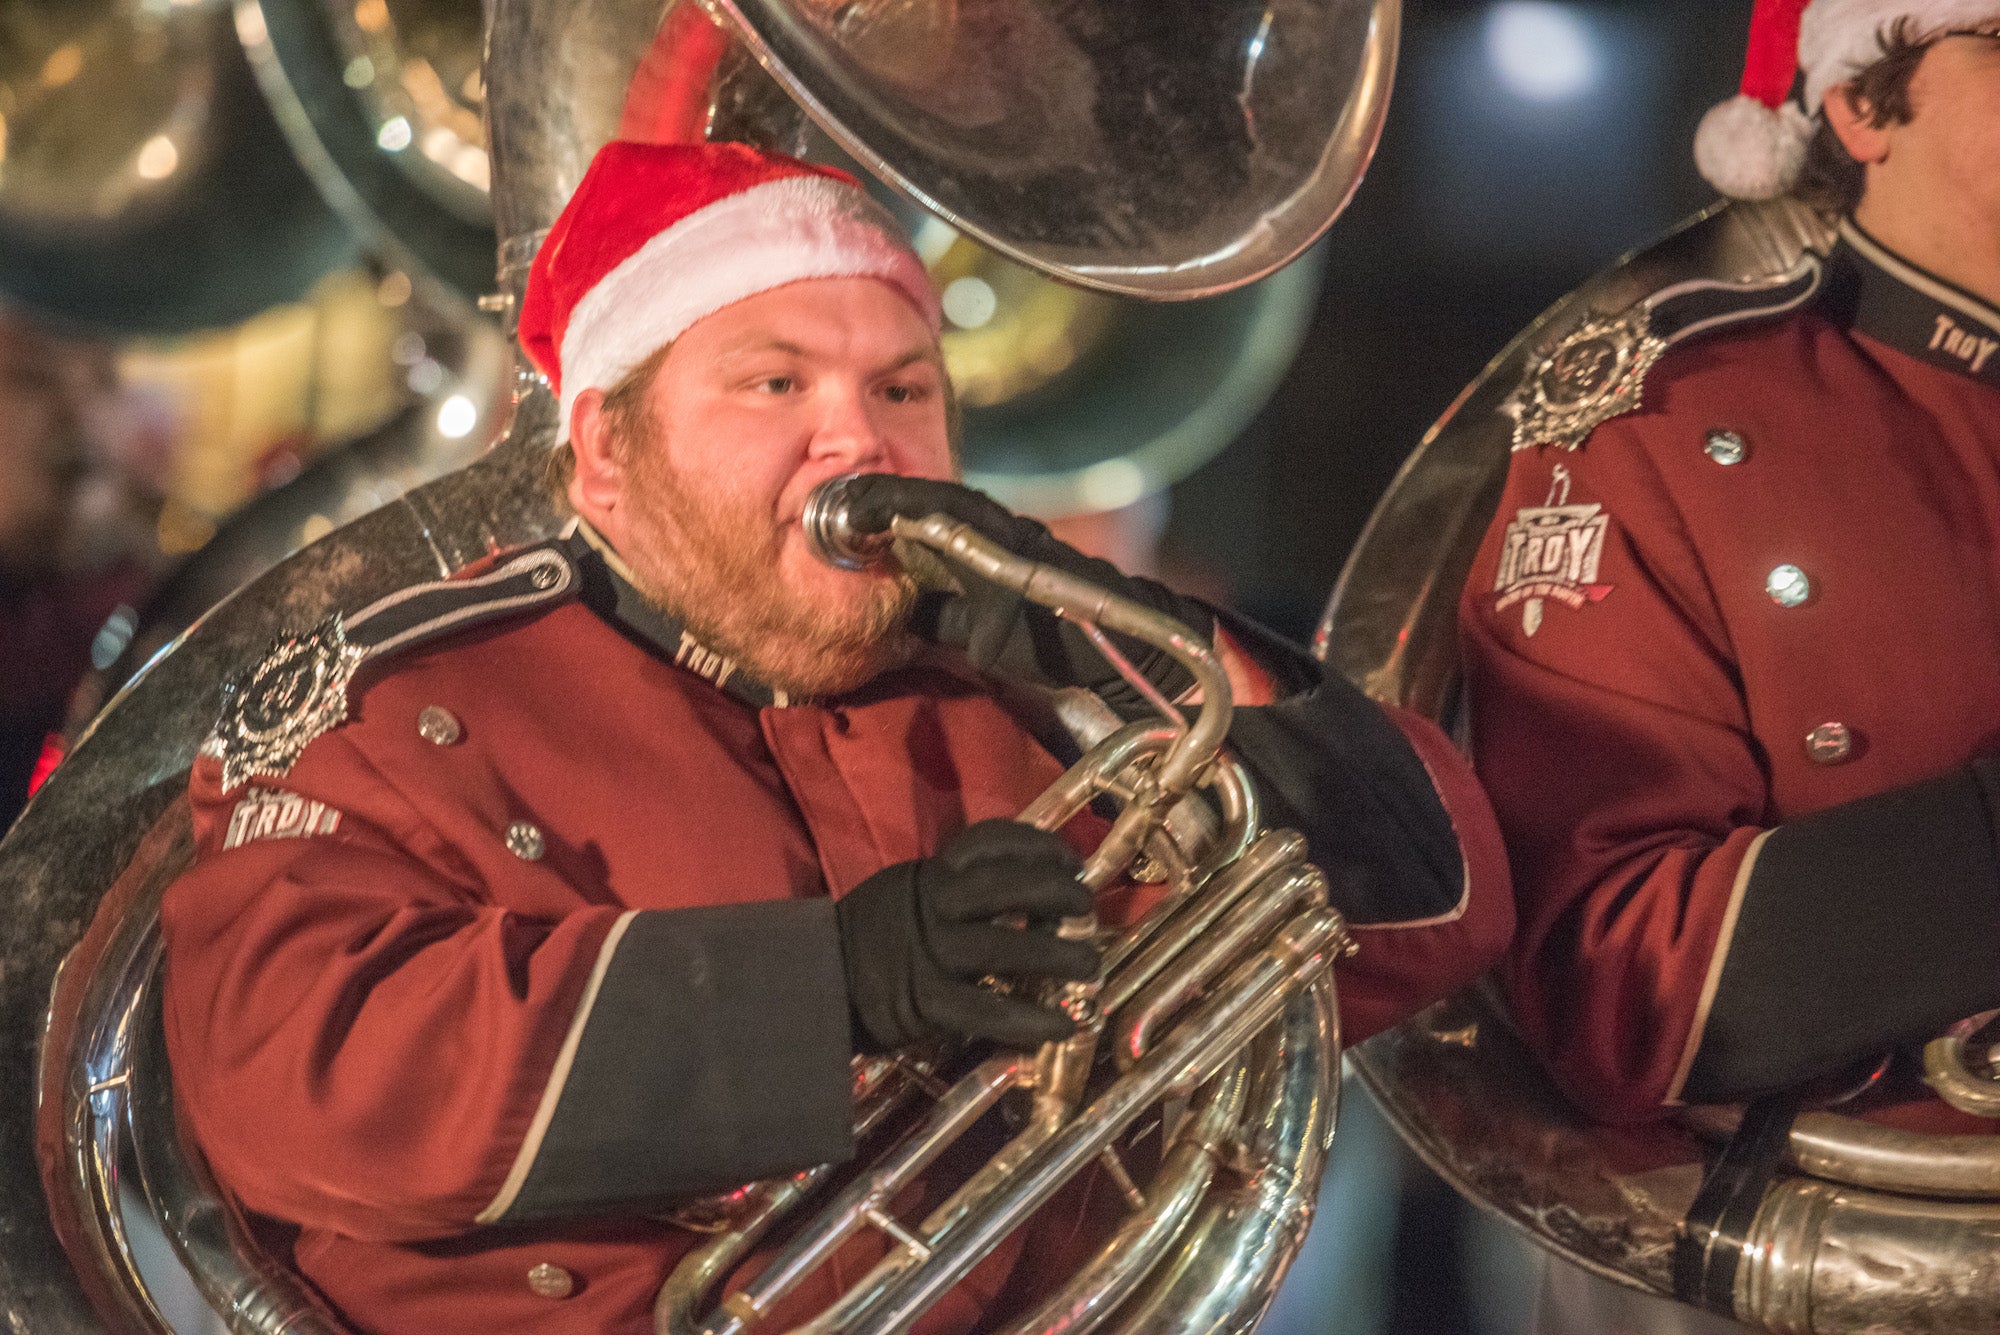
715, 1052
1863, 926
1330, 764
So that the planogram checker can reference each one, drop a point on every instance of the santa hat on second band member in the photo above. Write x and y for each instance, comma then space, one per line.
659, 235
1753, 145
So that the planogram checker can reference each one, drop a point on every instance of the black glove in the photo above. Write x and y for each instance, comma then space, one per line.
1004, 633
915, 936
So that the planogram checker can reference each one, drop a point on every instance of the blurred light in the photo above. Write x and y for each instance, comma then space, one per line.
112, 638
1112, 485
934, 236
1052, 356
469, 164
393, 291
408, 349
1541, 51
457, 417
64, 63
371, 15
440, 141
969, 302
315, 528
279, 467
360, 72
250, 28
3, 138
426, 377
394, 136
158, 158
182, 529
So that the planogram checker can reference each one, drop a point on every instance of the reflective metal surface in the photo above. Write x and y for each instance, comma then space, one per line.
382, 99
1226, 979
1163, 389
1872, 1227
144, 186
113, 816
1167, 150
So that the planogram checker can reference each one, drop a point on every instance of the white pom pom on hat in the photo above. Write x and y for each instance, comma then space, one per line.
1750, 151
1753, 145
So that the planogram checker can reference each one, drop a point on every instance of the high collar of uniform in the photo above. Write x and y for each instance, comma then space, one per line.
607, 588
1883, 295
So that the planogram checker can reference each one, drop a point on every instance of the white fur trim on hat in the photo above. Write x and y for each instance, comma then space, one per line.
1750, 151
1840, 38
764, 237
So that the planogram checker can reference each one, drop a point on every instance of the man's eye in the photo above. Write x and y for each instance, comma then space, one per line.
903, 393
776, 384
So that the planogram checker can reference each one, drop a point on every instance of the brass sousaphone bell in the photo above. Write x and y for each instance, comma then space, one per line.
1171, 150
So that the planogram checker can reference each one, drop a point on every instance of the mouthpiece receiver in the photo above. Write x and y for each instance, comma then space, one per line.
830, 531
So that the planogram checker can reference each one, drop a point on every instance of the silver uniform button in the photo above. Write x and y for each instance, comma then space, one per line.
437, 724
1829, 744
1788, 586
1725, 447
551, 1281
545, 577
524, 841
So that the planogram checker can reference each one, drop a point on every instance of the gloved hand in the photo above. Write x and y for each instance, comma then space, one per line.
1002, 632
915, 936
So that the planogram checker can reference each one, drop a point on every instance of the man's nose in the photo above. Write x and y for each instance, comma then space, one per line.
846, 432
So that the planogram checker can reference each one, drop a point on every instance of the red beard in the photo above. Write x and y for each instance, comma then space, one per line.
715, 565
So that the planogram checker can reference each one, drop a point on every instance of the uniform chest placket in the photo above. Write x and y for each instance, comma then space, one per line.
1789, 587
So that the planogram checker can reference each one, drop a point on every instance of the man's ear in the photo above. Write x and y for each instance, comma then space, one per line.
597, 486
1852, 121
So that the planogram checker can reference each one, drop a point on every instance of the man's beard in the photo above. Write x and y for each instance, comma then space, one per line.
715, 566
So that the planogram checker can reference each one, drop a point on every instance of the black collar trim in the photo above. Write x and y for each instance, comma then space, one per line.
1881, 294
608, 591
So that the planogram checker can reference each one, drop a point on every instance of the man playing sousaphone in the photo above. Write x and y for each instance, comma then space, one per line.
577, 899
1731, 654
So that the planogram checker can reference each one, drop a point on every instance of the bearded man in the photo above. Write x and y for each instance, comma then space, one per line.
630, 841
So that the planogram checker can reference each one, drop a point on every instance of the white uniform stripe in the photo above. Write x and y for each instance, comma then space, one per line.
545, 1111
1715, 963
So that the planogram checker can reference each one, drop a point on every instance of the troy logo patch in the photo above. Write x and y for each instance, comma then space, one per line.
1551, 551
265, 813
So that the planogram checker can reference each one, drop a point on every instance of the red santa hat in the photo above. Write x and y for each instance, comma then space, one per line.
1753, 145
659, 235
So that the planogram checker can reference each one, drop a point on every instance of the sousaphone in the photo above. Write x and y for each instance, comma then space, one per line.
1865, 1227
1166, 150
144, 185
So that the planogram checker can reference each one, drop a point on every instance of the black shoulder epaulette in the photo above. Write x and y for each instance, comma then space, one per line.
1597, 370
272, 711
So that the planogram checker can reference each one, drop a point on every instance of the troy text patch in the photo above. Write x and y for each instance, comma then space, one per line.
266, 813
1551, 551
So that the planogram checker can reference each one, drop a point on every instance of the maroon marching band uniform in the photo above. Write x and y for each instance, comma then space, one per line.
1733, 674
460, 999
